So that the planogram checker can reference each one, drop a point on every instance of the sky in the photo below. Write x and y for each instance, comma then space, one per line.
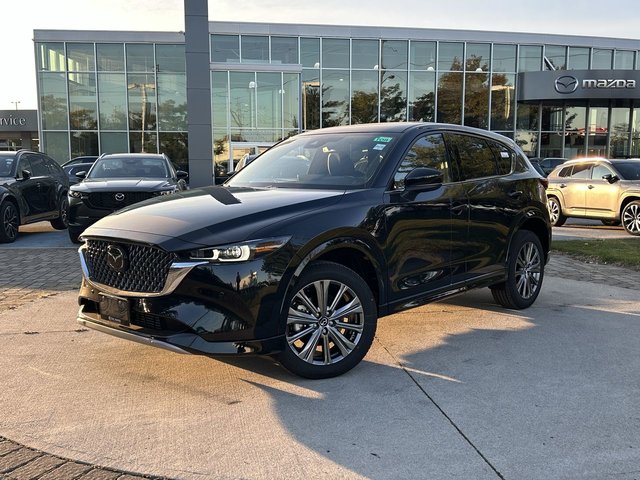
614, 18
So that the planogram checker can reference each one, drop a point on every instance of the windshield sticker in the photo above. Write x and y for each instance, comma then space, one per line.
383, 139
379, 146
504, 154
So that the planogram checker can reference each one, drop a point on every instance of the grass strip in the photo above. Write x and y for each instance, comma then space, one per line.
624, 252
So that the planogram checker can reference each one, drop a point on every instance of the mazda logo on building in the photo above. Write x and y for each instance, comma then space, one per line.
119, 197
117, 258
566, 84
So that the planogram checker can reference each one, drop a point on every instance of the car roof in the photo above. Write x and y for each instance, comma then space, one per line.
402, 127
132, 155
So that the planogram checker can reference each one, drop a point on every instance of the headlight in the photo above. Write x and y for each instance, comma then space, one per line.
165, 192
74, 194
240, 252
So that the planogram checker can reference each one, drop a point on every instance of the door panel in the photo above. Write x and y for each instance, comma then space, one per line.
602, 196
574, 189
420, 225
419, 253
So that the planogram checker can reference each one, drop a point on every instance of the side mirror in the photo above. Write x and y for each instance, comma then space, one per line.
423, 177
182, 175
611, 178
26, 174
81, 175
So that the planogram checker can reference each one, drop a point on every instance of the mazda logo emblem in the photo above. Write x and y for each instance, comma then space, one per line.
119, 197
117, 258
566, 84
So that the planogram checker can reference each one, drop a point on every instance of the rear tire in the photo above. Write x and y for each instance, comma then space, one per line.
9, 222
62, 222
555, 212
330, 320
631, 218
525, 272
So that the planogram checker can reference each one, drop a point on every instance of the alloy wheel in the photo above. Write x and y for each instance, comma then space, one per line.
10, 221
64, 212
528, 270
631, 218
554, 210
325, 322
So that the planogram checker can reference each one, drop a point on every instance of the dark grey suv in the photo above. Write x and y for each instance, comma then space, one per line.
33, 188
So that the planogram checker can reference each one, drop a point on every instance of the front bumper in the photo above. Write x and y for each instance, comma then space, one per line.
184, 343
203, 308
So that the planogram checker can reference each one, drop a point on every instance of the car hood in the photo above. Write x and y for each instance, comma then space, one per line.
209, 216
122, 184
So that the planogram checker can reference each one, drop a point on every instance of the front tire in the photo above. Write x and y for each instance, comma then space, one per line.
555, 212
631, 218
525, 272
331, 319
74, 233
9, 222
62, 222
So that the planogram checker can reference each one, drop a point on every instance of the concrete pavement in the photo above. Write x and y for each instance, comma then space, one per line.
458, 389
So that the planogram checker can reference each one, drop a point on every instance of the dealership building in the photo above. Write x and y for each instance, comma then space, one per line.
256, 83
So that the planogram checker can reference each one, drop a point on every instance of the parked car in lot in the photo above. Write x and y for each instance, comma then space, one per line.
596, 188
115, 181
72, 169
33, 188
547, 164
300, 252
81, 159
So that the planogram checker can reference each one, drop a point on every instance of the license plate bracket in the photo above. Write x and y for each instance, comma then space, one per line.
115, 309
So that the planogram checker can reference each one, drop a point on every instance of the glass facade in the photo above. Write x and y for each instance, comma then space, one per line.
112, 97
131, 96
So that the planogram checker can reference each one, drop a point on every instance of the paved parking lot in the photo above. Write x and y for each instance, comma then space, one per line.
456, 389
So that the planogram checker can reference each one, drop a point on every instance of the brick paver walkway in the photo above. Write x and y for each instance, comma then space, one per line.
28, 275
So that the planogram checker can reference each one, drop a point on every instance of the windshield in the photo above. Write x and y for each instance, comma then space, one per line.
330, 160
6, 164
129, 167
629, 170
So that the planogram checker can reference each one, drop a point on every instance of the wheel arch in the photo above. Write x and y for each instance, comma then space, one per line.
10, 198
352, 252
540, 228
626, 201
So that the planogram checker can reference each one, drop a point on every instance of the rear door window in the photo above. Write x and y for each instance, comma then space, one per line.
474, 155
581, 170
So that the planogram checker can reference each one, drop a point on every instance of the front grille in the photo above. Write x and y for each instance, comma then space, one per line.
107, 200
146, 271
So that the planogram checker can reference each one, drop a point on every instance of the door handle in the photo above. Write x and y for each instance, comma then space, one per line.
457, 208
563, 185
515, 193
591, 187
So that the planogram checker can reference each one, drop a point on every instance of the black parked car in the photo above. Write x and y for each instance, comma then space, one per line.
116, 181
33, 188
302, 250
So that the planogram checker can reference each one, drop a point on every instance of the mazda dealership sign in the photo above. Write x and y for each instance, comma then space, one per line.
579, 85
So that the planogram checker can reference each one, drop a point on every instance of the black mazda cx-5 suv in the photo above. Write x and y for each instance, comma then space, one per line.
117, 180
300, 252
